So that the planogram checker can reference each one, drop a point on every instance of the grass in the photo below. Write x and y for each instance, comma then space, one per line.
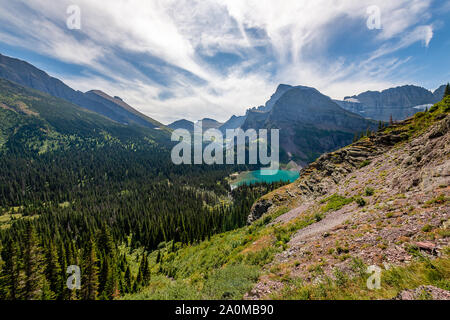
441, 199
423, 120
7, 219
393, 281
230, 282
365, 163
224, 267
334, 203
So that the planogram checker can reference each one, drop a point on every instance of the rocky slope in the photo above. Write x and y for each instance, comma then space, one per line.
383, 201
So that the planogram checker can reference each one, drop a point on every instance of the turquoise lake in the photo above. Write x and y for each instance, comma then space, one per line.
257, 176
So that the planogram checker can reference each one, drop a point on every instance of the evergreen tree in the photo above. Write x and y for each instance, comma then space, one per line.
33, 266
11, 277
447, 90
105, 242
89, 279
128, 281
53, 270
146, 270
46, 292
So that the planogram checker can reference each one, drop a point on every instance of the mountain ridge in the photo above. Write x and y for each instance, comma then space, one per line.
25, 74
397, 103
310, 124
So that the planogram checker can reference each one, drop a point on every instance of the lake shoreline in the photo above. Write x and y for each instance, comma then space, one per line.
251, 177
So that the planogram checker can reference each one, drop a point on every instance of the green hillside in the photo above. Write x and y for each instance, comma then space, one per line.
33, 121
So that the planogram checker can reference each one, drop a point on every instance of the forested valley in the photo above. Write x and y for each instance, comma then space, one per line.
91, 209
77, 189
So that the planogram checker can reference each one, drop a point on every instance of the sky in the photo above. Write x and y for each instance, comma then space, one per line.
173, 59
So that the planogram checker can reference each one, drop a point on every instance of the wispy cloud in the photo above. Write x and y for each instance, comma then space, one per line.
196, 58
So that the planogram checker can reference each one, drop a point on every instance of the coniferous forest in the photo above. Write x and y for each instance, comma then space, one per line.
79, 207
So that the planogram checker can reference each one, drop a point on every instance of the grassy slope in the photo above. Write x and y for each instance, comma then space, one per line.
228, 265
44, 123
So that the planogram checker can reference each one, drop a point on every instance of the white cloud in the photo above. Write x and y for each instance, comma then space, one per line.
296, 36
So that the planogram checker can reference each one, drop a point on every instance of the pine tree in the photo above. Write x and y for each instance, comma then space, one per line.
11, 277
146, 270
33, 266
391, 120
89, 279
447, 90
46, 291
128, 281
105, 243
53, 270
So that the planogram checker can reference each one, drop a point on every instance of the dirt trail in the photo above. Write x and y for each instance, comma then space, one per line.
288, 216
330, 221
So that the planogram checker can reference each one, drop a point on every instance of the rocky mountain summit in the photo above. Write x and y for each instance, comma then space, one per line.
398, 103
310, 123
382, 201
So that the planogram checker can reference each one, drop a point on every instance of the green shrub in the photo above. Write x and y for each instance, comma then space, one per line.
365, 163
360, 201
335, 202
369, 192
340, 277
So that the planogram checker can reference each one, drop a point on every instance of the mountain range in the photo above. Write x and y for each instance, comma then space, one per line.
207, 123
36, 122
310, 123
397, 103
115, 108
92, 185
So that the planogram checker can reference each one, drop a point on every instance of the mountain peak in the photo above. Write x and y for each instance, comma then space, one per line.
182, 124
283, 87
27, 75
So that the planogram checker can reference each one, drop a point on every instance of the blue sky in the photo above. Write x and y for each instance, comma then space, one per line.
175, 59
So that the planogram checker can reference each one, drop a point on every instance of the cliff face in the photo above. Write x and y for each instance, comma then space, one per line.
310, 124
400, 103
375, 201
